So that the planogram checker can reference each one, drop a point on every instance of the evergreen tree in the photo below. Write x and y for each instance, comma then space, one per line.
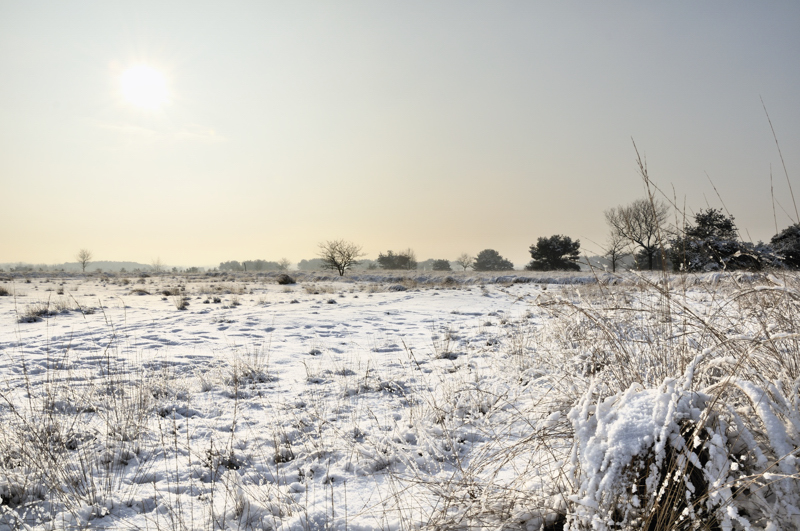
441, 265
403, 260
787, 245
557, 253
712, 243
490, 260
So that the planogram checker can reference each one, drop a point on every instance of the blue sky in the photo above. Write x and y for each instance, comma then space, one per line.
446, 127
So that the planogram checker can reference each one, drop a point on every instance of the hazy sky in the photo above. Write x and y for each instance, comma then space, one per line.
446, 127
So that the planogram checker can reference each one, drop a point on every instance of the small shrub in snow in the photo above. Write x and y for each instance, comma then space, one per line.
181, 302
35, 312
643, 456
248, 368
711, 449
284, 279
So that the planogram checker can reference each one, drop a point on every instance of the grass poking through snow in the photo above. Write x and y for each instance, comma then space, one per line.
629, 402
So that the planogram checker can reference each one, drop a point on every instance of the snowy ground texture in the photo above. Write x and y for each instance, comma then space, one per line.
394, 402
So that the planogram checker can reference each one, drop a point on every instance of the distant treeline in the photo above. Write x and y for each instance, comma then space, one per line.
316, 264
251, 265
103, 265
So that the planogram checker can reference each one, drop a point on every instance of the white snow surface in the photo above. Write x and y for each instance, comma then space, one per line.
383, 401
326, 404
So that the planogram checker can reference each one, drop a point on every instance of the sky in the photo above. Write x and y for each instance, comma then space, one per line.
445, 127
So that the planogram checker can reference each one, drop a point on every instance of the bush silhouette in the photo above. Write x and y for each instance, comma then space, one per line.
490, 260
557, 253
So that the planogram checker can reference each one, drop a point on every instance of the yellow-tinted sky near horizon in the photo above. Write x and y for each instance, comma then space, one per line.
201, 132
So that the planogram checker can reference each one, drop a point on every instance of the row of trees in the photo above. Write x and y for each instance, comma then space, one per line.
710, 241
84, 257
638, 229
556, 252
256, 265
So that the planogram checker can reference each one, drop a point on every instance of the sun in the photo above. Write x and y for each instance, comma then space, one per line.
144, 87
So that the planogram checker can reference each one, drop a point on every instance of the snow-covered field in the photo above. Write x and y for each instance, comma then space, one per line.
418, 401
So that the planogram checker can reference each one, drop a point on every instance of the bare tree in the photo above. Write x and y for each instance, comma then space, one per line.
411, 263
284, 264
339, 255
616, 249
465, 261
83, 257
640, 223
158, 265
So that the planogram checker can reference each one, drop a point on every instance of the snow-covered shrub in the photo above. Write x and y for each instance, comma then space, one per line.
34, 312
249, 366
713, 244
713, 448
641, 458
284, 279
181, 302
787, 244
673, 458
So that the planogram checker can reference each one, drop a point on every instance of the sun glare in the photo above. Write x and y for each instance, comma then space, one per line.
145, 87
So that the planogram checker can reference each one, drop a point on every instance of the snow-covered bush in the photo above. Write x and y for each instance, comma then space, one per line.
787, 244
673, 458
713, 448
713, 244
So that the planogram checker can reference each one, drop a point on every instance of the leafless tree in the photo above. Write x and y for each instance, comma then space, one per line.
339, 255
411, 263
616, 249
157, 265
83, 257
465, 261
640, 223
284, 264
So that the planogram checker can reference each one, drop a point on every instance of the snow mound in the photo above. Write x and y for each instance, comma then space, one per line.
675, 458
